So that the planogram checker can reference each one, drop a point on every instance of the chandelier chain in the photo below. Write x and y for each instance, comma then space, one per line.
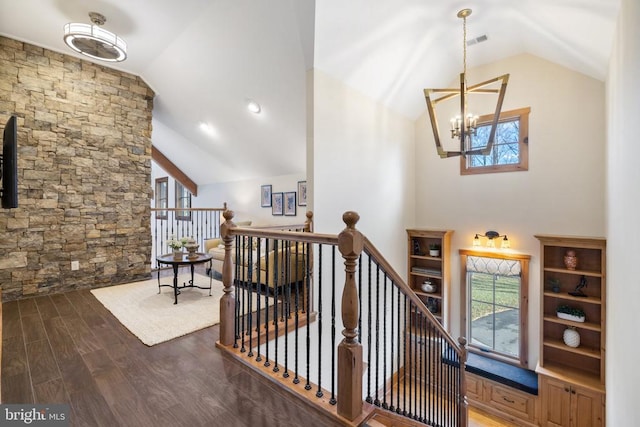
464, 48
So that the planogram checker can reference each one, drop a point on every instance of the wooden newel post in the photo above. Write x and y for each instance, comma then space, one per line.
228, 300
463, 383
308, 224
350, 244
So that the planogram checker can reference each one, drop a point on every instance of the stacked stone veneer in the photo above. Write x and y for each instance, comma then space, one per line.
84, 167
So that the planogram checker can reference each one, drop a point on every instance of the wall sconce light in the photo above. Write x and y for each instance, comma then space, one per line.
491, 236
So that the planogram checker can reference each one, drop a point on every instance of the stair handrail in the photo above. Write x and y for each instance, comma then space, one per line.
351, 243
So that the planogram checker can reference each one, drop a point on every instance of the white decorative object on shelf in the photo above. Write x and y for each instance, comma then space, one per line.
567, 316
571, 337
428, 287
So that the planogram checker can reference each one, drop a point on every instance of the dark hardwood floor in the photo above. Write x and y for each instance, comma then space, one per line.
68, 348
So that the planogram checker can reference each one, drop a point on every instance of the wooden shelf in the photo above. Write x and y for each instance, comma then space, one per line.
584, 351
581, 325
427, 257
430, 276
437, 295
566, 296
574, 272
571, 374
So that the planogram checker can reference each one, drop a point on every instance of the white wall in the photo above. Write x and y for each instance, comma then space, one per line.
362, 157
562, 193
623, 227
363, 162
243, 198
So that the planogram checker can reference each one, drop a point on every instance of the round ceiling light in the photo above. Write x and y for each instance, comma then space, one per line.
95, 42
253, 106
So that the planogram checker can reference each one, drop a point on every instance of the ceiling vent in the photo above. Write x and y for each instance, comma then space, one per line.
480, 39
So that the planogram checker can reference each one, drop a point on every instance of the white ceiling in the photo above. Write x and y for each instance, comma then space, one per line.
205, 58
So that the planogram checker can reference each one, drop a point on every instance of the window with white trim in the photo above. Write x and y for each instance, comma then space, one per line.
495, 304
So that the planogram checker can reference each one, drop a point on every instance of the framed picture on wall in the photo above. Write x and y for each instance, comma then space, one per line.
302, 193
277, 204
265, 196
290, 203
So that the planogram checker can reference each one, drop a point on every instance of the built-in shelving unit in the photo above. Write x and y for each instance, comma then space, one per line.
574, 376
425, 267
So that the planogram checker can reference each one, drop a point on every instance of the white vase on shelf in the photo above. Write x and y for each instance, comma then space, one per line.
571, 337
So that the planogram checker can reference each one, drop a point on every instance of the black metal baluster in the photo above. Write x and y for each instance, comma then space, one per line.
391, 356
427, 371
307, 386
249, 253
428, 377
404, 358
369, 336
400, 341
376, 401
258, 309
236, 283
446, 401
275, 306
319, 392
440, 397
419, 383
296, 380
332, 400
240, 244
410, 364
384, 345
267, 268
287, 302
435, 384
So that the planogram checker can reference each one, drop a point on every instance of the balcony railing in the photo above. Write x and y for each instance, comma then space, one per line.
287, 301
197, 223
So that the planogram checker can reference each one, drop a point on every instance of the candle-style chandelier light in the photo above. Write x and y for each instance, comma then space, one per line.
464, 125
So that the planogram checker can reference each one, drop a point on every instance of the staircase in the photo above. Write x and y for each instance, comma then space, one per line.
328, 319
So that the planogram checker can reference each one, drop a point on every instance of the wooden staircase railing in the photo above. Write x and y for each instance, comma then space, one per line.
281, 312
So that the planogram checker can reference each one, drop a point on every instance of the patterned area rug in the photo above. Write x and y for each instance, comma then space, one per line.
152, 316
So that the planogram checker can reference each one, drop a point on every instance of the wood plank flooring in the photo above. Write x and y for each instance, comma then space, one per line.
67, 348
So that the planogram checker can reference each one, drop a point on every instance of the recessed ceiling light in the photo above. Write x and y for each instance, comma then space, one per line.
208, 129
253, 106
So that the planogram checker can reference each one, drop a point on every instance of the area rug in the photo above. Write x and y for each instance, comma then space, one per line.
153, 317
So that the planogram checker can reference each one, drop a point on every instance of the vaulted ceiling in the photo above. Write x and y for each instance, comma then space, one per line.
206, 58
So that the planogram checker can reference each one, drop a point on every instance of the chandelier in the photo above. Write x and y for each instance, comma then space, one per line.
464, 125
94, 41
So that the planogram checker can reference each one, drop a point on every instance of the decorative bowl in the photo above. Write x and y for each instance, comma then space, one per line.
428, 287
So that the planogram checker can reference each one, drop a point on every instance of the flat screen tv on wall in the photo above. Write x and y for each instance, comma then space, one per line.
9, 165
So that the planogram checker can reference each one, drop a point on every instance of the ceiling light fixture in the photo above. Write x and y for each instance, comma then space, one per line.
463, 126
491, 235
208, 129
93, 41
253, 106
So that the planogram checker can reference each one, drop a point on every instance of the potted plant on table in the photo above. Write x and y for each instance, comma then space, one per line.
570, 313
176, 245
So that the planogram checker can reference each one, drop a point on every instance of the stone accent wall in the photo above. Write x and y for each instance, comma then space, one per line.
84, 168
